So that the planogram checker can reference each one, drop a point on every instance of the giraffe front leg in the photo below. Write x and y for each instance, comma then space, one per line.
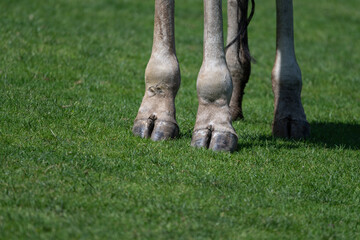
156, 115
289, 115
213, 127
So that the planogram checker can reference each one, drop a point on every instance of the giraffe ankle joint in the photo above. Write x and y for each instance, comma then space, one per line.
162, 76
214, 85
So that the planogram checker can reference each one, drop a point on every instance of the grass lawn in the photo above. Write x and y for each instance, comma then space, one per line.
71, 82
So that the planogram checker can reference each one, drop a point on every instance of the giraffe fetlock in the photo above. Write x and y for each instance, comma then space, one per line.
156, 118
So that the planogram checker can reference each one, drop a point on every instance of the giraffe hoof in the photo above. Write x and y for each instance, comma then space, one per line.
223, 141
164, 130
201, 138
155, 129
291, 128
214, 140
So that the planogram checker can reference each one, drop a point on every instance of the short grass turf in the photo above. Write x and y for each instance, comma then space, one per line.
71, 82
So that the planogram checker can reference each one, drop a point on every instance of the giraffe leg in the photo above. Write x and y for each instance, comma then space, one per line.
237, 55
213, 128
156, 115
289, 115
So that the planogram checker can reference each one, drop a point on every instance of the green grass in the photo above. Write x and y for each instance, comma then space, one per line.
71, 82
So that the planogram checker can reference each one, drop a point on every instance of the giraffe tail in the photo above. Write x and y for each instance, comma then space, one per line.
244, 21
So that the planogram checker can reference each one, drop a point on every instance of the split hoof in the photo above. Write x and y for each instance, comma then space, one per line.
214, 140
155, 129
291, 128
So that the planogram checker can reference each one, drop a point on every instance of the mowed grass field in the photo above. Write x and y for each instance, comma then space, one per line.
71, 82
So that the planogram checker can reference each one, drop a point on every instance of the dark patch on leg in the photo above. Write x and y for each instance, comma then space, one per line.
288, 126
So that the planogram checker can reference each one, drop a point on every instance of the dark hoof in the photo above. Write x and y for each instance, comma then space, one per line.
164, 130
223, 141
290, 128
217, 141
143, 128
201, 138
155, 129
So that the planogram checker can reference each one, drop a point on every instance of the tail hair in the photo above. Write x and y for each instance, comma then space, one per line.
243, 23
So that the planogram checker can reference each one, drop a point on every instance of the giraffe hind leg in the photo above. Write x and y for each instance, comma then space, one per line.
237, 54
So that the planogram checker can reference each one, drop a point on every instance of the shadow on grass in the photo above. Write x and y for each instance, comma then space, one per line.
333, 134
324, 134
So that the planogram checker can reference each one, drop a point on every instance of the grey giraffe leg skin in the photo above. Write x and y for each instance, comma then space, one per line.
213, 128
237, 56
156, 116
289, 115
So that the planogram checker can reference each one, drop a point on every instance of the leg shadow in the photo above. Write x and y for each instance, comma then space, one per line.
324, 134
332, 134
